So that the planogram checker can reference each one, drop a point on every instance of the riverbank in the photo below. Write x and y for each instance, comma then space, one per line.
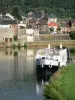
62, 84
39, 44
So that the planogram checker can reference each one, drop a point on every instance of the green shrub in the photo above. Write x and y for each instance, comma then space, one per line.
25, 45
15, 38
51, 93
72, 35
72, 50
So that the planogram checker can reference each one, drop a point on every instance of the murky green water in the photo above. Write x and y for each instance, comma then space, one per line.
19, 78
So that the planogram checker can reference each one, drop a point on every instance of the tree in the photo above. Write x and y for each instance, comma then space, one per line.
51, 29
72, 35
16, 13
70, 23
15, 38
58, 29
58, 7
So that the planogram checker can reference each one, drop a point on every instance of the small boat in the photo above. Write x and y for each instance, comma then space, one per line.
52, 57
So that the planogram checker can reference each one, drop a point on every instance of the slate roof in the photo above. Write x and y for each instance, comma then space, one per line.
39, 15
63, 20
66, 22
32, 20
42, 21
3, 17
6, 22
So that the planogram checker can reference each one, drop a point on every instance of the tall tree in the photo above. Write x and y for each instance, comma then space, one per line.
16, 13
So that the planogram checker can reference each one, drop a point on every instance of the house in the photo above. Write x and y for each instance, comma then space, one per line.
64, 25
30, 34
22, 32
9, 20
63, 28
38, 20
52, 24
32, 23
6, 34
42, 25
72, 24
8, 28
13, 24
52, 19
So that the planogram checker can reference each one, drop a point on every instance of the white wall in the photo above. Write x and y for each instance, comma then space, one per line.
30, 38
5, 33
29, 32
52, 20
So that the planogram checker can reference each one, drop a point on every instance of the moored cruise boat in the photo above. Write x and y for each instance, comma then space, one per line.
51, 57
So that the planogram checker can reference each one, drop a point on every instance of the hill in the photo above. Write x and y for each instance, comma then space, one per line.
60, 8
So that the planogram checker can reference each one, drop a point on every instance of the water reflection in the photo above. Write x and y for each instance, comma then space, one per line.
17, 75
43, 77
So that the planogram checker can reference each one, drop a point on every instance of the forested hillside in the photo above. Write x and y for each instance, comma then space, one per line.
60, 8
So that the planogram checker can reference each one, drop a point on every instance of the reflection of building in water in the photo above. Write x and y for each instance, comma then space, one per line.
28, 61
17, 64
15, 67
6, 54
6, 64
30, 52
23, 63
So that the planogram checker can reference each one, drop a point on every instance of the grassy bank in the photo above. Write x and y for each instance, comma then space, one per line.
62, 85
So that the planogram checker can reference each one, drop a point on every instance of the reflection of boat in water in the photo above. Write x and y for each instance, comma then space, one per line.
44, 74
43, 77
52, 57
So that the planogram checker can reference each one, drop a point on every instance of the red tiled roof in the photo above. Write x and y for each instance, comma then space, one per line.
52, 24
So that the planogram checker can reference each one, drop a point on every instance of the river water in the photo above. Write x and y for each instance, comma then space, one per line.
19, 77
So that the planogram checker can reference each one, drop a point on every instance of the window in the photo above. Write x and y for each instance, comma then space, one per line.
10, 39
6, 39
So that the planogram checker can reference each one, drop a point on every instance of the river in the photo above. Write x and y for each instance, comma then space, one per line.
19, 77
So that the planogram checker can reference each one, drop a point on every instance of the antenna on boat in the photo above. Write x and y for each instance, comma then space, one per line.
60, 45
49, 46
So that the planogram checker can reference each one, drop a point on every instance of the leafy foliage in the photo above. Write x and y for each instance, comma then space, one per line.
51, 29
16, 13
62, 8
72, 50
15, 38
72, 35
25, 45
